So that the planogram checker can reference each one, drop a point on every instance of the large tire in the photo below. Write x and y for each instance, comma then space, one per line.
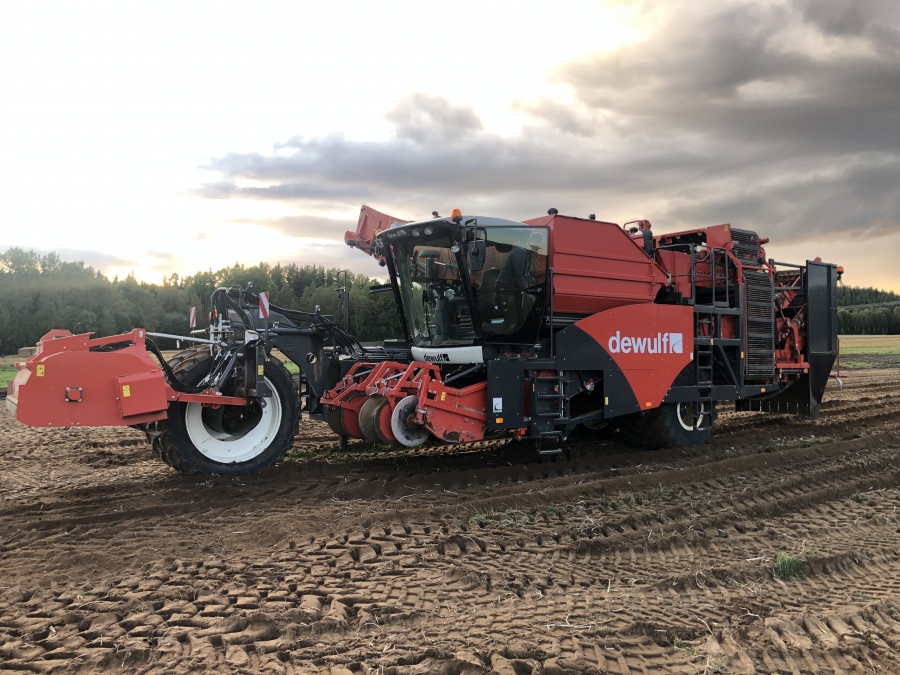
668, 426
153, 430
234, 440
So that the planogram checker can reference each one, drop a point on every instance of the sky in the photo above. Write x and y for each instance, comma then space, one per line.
161, 138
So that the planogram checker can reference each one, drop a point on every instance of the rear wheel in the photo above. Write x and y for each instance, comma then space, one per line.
229, 440
671, 425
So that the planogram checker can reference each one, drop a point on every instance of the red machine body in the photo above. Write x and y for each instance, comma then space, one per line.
598, 266
647, 320
73, 381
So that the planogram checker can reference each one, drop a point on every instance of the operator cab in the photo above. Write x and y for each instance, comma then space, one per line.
468, 283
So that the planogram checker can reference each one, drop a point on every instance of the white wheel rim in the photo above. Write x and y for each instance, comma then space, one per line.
226, 448
407, 437
682, 411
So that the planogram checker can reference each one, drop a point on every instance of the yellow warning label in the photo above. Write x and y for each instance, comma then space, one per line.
606, 401
499, 420
742, 354
260, 369
443, 395
126, 390
40, 371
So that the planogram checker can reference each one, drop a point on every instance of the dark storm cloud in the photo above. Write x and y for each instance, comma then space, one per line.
743, 75
421, 117
782, 117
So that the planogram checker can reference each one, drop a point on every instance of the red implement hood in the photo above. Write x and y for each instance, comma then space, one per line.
371, 222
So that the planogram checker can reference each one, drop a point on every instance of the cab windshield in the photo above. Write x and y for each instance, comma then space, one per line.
509, 287
434, 301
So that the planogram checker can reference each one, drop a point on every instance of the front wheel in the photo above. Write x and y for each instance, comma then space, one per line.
229, 440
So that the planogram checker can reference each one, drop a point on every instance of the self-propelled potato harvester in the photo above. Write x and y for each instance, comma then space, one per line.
532, 329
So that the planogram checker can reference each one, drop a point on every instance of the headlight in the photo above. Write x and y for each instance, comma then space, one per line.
416, 233
429, 230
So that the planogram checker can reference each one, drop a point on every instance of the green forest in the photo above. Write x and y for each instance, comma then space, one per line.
41, 292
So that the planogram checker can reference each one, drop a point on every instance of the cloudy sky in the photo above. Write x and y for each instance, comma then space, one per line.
161, 138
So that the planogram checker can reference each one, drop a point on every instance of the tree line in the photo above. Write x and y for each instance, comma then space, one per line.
42, 292
867, 320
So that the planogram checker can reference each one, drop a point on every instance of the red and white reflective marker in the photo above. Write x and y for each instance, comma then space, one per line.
193, 317
264, 304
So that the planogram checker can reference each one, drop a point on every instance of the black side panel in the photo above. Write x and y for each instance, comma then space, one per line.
506, 393
618, 398
576, 350
821, 322
796, 399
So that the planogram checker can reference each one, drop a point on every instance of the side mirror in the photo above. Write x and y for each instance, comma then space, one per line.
477, 252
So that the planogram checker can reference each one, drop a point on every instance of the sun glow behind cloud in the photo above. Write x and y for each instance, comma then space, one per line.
177, 137
112, 108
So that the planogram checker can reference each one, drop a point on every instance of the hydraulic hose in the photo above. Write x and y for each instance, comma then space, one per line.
177, 384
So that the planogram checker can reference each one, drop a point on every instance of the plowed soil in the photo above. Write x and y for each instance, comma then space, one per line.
453, 562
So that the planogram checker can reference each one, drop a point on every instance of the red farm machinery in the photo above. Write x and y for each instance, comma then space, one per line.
533, 329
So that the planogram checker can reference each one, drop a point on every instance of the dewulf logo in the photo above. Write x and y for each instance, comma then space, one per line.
437, 358
663, 343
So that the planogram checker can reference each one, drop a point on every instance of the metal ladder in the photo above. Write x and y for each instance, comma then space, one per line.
706, 331
549, 406
704, 358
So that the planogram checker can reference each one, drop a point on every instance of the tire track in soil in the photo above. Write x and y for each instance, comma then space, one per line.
612, 562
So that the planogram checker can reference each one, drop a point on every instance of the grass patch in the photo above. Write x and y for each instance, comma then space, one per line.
515, 518
7, 373
479, 519
859, 498
812, 553
680, 645
787, 567
356, 453
869, 345
292, 367
859, 365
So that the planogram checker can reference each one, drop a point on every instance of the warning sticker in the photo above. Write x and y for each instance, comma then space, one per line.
126, 390
498, 405
260, 369
40, 371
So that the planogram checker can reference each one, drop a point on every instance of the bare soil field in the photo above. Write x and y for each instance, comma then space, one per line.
457, 560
